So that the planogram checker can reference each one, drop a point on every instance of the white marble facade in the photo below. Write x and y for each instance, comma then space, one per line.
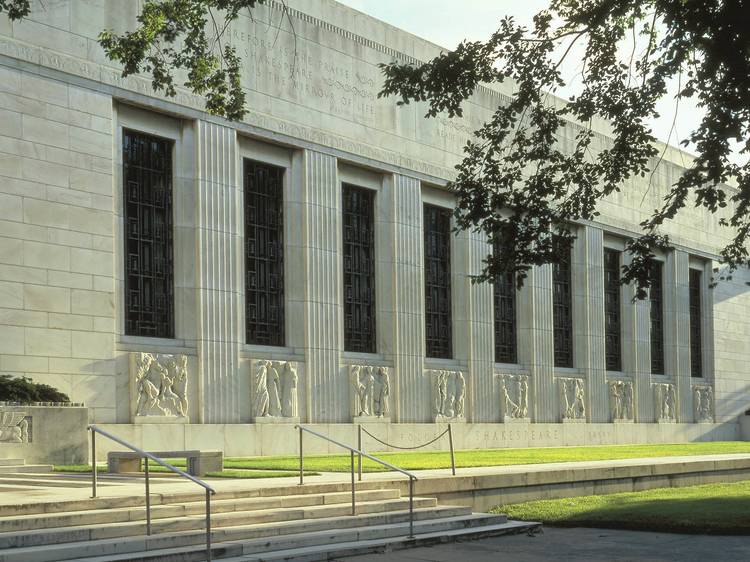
63, 109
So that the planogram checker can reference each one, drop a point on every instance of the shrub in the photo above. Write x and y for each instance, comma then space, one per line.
25, 391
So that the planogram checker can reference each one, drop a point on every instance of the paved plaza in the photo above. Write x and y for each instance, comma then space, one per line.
585, 545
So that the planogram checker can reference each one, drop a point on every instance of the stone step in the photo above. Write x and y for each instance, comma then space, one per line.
12, 462
37, 537
359, 547
136, 547
42, 481
24, 468
57, 506
123, 514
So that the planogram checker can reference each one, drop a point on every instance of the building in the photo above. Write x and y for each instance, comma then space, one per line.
198, 282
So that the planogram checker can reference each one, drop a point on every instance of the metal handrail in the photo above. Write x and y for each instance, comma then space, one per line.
148, 456
352, 451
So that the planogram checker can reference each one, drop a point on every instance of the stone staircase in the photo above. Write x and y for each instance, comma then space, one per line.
311, 522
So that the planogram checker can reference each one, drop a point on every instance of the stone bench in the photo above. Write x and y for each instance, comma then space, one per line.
198, 462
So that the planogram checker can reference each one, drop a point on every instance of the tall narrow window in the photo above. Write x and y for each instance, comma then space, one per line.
656, 296
562, 310
149, 275
359, 269
504, 297
264, 253
437, 277
612, 308
696, 340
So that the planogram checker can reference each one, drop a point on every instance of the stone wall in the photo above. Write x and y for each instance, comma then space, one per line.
313, 110
41, 433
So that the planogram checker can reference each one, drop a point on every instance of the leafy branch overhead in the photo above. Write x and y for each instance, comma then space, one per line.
178, 36
529, 158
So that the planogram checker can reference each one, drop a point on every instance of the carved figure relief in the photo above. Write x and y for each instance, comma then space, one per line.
371, 391
572, 399
666, 402
161, 385
275, 389
703, 403
621, 400
515, 400
15, 427
449, 395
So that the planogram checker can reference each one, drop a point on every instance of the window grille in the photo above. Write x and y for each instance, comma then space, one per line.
437, 263
149, 252
612, 310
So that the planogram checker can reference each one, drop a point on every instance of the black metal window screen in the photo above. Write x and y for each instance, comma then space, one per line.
612, 311
656, 296
264, 253
149, 252
504, 297
359, 269
696, 340
437, 277
562, 310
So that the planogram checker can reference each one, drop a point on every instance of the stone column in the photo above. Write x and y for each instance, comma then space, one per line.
403, 199
588, 295
480, 324
323, 315
536, 345
219, 277
677, 330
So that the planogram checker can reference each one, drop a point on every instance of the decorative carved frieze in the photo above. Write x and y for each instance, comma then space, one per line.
15, 427
159, 387
370, 392
665, 405
515, 397
621, 402
275, 391
572, 399
448, 395
703, 403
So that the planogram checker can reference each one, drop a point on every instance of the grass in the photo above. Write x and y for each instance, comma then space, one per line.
707, 509
490, 457
289, 465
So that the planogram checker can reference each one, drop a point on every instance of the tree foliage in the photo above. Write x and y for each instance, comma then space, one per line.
520, 185
26, 391
174, 36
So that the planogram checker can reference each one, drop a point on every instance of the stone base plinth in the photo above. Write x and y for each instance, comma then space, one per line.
574, 420
622, 421
666, 421
506, 419
275, 419
370, 419
444, 419
140, 420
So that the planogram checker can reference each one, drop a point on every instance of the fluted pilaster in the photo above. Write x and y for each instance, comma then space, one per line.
677, 349
219, 284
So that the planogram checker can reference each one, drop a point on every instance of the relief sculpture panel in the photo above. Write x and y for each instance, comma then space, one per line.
515, 398
448, 395
275, 391
370, 392
159, 388
572, 399
703, 403
621, 401
15, 427
665, 402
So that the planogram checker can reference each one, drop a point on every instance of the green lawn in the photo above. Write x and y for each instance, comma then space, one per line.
713, 508
464, 459
490, 457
